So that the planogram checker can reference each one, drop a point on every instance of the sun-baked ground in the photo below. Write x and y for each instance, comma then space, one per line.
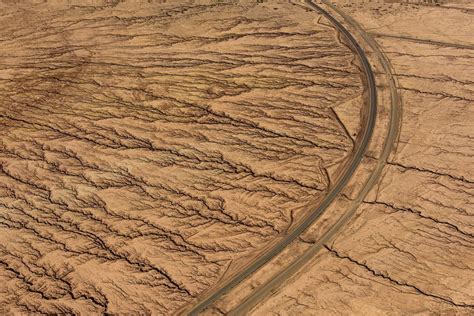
144, 146
410, 247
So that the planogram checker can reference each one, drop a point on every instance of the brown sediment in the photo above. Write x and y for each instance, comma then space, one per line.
145, 146
409, 247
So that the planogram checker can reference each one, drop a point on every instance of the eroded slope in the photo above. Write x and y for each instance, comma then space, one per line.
409, 249
145, 146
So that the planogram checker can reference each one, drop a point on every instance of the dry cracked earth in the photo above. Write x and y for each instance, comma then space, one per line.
151, 150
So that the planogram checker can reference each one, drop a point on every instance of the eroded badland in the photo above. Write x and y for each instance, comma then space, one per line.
156, 157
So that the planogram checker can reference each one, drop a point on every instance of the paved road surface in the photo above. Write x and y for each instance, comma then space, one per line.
342, 182
389, 143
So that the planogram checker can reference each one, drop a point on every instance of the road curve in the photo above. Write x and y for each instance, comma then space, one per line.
390, 140
333, 193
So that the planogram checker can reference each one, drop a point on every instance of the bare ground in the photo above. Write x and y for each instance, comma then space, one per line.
145, 146
409, 249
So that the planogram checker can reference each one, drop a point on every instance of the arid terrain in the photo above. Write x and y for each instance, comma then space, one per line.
409, 248
236, 157
147, 147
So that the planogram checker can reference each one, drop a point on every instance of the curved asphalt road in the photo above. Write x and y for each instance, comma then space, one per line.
358, 155
391, 138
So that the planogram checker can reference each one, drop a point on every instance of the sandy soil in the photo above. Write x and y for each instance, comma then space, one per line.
410, 247
144, 147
